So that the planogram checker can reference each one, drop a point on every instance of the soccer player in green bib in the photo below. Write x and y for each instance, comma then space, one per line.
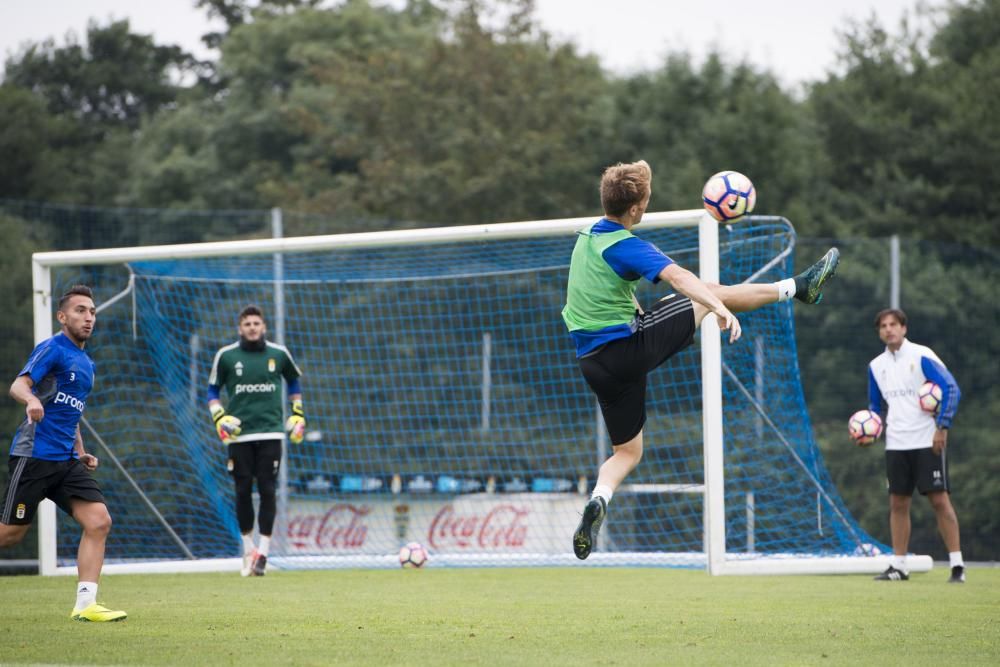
617, 344
251, 371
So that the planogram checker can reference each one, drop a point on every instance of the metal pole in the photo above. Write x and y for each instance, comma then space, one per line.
711, 387
894, 271
277, 232
484, 423
41, 282
194, 349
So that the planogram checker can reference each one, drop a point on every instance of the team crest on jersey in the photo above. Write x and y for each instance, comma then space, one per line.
21, 509
271, 365
239, 368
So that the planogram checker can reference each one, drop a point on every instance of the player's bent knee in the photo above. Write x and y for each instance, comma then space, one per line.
94, 519
631, 449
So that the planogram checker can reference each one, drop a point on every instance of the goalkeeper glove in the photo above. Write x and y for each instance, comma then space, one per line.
296, 424
227, 426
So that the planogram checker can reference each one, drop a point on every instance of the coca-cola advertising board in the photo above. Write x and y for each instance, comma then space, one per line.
474, 523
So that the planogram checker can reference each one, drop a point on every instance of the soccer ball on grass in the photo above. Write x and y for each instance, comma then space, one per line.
728, 196
412, 555
865, 427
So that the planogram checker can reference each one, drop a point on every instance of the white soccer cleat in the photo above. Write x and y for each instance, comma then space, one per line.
248, 561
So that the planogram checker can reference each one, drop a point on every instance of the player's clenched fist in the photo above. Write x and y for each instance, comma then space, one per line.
296, 424
227, 426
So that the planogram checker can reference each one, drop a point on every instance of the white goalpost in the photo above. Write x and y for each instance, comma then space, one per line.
456, 388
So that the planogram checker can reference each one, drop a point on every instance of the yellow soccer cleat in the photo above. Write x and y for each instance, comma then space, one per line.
98, 614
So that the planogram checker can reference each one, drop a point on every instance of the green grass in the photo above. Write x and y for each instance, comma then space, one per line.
508, 617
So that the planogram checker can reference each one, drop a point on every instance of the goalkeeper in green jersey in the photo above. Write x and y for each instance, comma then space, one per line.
250, 425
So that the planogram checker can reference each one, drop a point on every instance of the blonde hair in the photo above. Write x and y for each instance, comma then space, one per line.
624, 185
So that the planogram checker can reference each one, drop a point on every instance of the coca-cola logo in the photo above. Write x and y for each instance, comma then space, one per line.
503, 526
340, 527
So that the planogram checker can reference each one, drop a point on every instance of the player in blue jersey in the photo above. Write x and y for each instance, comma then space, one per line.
617, 344
47, 458
915, 440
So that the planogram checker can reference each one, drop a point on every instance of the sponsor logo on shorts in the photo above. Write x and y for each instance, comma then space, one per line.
260, 388
21, 509
65, 399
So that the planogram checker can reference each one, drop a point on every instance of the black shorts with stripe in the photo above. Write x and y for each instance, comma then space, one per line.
33, 479
617, 371
906, 469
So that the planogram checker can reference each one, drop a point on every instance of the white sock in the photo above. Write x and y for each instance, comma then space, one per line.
265, 544
899, 562
955, 558
248, 546
86, 594
786, 289
601, 491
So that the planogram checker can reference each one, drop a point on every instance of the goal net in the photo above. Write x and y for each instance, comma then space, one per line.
445, 406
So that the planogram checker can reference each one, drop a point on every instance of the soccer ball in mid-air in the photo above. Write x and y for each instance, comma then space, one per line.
412, 555
864, 427
930, 397
728, 196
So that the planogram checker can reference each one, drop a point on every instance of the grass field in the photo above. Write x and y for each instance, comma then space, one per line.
508, 617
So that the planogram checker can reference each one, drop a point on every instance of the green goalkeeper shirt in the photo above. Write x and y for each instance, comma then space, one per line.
252, 380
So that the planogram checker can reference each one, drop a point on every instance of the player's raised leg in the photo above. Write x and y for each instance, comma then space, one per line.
806, 287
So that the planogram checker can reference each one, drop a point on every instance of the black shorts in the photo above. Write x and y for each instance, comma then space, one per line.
617, 372
257, 458
33, 479
920, 468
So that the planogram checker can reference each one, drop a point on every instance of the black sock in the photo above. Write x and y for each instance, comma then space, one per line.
801, 284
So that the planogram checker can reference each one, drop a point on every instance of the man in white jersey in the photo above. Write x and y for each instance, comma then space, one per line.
915, 440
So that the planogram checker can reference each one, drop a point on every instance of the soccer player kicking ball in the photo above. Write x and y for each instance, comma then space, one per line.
617, 344
251, 370
47, 458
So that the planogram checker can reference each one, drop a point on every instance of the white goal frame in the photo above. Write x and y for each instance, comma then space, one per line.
716, 559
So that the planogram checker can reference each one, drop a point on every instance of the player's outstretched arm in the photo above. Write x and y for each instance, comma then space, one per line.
705, 301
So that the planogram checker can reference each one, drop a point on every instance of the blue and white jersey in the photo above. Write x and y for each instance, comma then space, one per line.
631, 259
62, 375
894, 379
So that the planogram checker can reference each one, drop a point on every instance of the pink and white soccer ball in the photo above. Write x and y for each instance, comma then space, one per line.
728, 196
864, 427
412, 555
930, 397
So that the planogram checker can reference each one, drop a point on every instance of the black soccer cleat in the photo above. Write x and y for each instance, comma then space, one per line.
259, 566
809, 283
590, 525
892, 574
957, 575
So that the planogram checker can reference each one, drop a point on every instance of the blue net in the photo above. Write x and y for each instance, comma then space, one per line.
445, 406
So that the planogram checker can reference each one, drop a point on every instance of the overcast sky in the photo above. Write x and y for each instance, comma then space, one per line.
795, 39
